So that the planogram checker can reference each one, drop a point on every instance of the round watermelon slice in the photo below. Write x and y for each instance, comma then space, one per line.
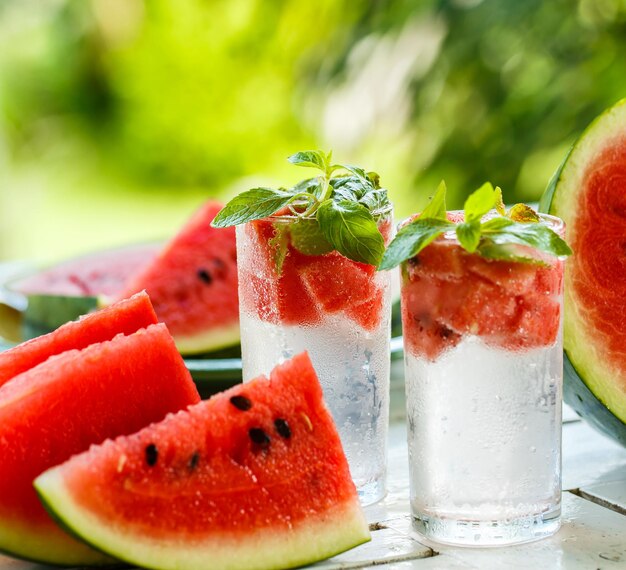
254, 478
588, 192
102, 273
60, 407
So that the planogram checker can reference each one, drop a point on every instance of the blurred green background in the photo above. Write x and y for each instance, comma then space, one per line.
119, 117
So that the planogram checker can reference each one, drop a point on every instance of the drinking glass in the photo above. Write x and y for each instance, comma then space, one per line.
483, 373
336, 309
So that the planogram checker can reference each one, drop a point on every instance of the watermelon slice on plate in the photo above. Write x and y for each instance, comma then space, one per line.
253, 478
192, 282
588, 192
60, 407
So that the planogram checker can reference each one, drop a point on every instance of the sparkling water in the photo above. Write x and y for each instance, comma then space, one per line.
353, 367
484, 434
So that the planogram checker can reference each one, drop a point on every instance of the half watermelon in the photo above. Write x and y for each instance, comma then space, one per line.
254, 478
60, 407
588, 192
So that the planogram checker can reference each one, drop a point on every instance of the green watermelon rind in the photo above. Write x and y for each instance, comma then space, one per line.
587, 405
29, 550
589, 381
226, 336
317, 540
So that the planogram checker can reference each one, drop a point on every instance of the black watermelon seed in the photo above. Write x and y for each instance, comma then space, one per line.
282, 427
205, 276
194, 460
220, 268
241, 403
259, 437
152, 454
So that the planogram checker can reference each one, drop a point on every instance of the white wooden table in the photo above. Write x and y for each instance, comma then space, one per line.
593, 535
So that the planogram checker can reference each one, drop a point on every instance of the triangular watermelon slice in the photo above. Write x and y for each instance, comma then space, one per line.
62, 406
192, 283
253, 478
126, 317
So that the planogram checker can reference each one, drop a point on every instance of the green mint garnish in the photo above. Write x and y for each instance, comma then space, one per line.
352, 230
496, 238
337, 210
252, 204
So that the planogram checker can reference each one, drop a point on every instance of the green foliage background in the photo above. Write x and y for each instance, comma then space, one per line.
118, 117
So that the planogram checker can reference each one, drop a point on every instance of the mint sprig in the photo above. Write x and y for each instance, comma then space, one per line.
496, 238
337, 210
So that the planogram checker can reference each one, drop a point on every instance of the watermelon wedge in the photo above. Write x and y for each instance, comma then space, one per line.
60, 407
254, 478
126, 317
193, 284
588, 192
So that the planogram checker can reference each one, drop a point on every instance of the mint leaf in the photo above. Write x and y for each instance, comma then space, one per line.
504, 252
251, 205
436, 209
534, 235
310, 159
308, 238
480, 202
523, 213
374, 179
352, 230
356, 170
495, 224
347, 188
411, 239
375, 200
468, 235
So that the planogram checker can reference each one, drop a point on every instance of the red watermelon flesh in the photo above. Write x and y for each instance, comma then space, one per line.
255, 477
266, 292
448, 293
103, 273
598, 261
62, 406
126, 317
308, 286
193, 284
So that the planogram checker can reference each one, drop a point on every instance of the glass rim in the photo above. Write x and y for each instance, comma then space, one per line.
291, 218
554, 223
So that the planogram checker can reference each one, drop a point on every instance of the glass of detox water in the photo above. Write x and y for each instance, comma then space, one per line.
333, 307
483, 371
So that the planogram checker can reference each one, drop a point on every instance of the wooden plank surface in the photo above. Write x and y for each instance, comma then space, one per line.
610, 495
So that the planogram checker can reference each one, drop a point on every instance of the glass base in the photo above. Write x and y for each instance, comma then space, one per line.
373, 492
487, 533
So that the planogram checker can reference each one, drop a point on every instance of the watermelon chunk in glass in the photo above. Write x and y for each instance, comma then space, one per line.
254, 478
